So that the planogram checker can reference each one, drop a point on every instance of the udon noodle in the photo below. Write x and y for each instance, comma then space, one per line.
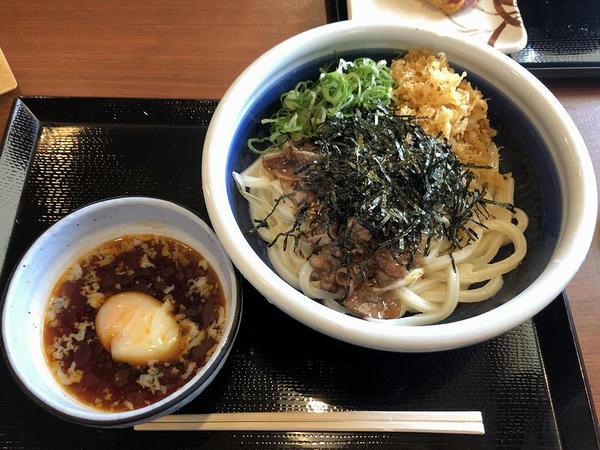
444, 275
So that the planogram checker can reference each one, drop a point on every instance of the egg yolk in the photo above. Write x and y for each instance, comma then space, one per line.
137, 328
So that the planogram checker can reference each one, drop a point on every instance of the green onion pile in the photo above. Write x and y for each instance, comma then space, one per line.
362, 83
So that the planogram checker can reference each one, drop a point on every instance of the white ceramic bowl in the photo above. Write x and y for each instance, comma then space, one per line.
51, 254
550, 164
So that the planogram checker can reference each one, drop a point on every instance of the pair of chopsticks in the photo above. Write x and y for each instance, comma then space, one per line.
456, 422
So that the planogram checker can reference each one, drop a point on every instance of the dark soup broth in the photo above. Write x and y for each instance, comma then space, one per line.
132, 321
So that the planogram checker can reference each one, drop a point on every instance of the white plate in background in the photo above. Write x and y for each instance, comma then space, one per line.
495, 22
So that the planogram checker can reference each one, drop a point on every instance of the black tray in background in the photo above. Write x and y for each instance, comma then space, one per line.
62, 153
563, 37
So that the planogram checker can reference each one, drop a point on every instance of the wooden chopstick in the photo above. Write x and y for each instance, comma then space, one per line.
456, 422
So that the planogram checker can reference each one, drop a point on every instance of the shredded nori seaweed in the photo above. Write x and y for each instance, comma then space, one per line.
404, 186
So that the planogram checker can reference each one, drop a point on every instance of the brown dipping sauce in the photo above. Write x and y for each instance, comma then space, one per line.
158, 266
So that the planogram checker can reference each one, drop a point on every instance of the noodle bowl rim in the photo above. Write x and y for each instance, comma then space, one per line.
547, 116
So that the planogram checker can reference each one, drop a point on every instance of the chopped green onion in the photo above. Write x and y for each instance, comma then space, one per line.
359, 83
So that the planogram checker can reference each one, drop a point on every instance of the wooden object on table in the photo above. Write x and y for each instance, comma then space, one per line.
8, 81
455, 422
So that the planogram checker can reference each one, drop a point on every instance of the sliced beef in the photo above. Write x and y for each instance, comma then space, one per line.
291, 163
367, 303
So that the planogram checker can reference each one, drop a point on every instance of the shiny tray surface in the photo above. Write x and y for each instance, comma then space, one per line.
62, 153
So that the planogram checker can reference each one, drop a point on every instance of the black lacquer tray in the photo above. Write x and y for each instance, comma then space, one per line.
563, 37
62, 153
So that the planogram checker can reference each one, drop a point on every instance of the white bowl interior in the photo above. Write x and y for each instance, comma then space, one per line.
560, 136
60, 246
